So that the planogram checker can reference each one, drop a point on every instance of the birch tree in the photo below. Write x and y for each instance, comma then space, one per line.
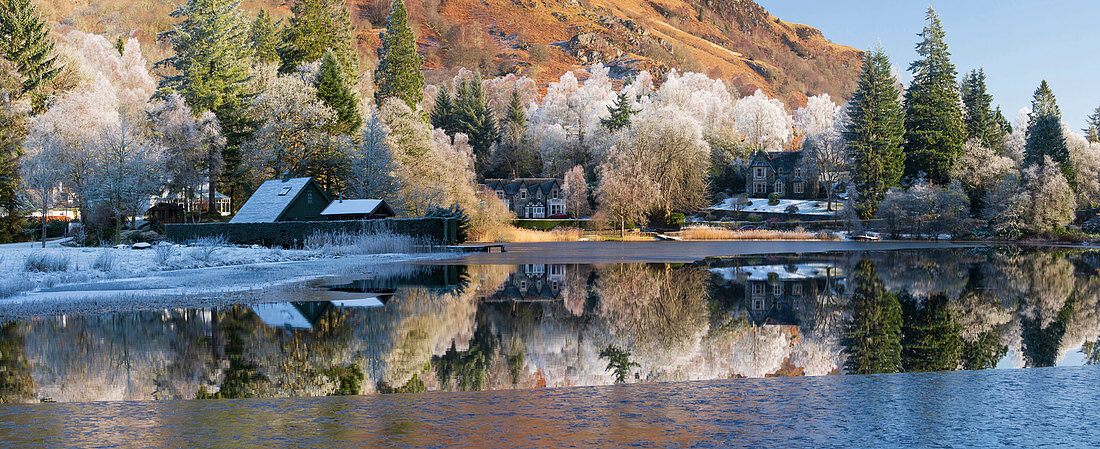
128, 169
41, 177
576, 193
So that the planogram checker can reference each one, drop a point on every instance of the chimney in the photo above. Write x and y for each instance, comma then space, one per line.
341, 197
286, 176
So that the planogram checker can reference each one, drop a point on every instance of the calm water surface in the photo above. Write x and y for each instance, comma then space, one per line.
683, 336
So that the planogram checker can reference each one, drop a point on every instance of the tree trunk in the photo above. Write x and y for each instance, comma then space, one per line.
45, 213
118, 228
210, 186
622, 229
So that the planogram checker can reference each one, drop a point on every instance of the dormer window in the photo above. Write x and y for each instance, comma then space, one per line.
522, 194
285, 191
761, 172
798, 172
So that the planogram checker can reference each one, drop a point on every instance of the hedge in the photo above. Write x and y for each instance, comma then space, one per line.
548, 224
292, 234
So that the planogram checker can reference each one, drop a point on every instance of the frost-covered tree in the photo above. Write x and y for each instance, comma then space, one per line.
669, 146
927, 210
566, 127
193, 147
1044, 133
934, 131
763, 122
821, 124
398, 71
874, 133
372, 172
40, 176
625, 191
1092, 131
128, 170
1085, 156
576, 193
291, 119
979, 168
1043, 201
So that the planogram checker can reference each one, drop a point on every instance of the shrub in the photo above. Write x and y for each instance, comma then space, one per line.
162, 254
105, 261
773, 199
14, 284
540, 52
676, 219
792, 209
203, 248
46, 262
755, 218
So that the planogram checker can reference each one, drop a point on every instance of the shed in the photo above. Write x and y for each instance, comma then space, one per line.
287, 199
357, 210
165, 213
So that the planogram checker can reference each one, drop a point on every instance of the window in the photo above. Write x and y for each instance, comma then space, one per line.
758, 304
285, 191
777, 290
554, 194
798, 172
309, 197
760, 188
500, 194
796, 289
779, 187
523, 285
522, 194
538, 194
761, 172
757, 289
799, 187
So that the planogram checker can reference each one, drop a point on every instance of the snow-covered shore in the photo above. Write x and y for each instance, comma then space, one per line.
99, 278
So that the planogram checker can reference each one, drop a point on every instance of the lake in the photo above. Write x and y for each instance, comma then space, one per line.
748, 350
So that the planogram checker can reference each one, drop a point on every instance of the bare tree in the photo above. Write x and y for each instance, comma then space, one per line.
626, 192
41, 177
128, 170
576, 193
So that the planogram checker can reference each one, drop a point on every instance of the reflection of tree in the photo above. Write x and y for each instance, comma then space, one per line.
873, 339
16, 384
984, 353
469, 368
1041, 343
658, 311
243, 378
930, 336
1092, 352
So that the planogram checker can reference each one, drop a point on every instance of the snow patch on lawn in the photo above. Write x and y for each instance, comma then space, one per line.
805, 207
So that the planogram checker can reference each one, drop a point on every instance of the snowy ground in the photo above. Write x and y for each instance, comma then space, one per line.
114, 275
805, 207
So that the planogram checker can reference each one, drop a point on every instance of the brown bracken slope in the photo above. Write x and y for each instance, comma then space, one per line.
735, 40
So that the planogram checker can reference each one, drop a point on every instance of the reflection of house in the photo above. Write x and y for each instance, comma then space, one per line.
530, 197
779, 172
775, 293
297, 315
342, 209
287, 199
532, 282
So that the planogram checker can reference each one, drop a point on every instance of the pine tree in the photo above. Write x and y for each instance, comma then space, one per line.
930, 336
398, 72
335, 93
317, 26
25, 40
874, 133
934, 132
265, 38
213, 64
13, 128
443, 113
514, 155
999, 118
475, 119
979, 118
1044, 133
620, 113
1093, 130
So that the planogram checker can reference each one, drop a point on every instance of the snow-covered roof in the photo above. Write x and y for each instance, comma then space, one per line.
281, 314
371, 301
270, 200
352, 207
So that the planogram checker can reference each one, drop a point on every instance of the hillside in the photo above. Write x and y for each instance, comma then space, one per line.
735, 40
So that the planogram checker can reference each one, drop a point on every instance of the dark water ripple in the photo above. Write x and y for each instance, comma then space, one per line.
1044, 407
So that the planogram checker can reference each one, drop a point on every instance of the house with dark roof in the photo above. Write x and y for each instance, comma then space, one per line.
342, 209
286, 199
780, 172
530, 197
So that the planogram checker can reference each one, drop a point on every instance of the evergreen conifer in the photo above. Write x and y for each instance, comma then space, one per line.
1044, 133
334, 92
318, 26
265, 38
620, 113
25, 40
398, 72
934, 132
874, 133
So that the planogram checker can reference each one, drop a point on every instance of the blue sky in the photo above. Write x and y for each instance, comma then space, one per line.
1018, 42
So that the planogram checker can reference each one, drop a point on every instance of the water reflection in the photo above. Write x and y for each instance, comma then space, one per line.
546, 325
